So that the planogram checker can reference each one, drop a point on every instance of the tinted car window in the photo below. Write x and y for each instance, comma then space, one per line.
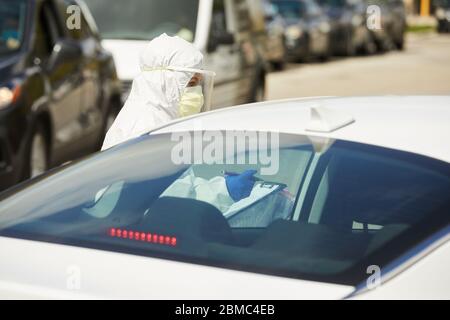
322, 216
13, 15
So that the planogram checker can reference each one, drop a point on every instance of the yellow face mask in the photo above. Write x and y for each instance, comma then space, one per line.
191, 101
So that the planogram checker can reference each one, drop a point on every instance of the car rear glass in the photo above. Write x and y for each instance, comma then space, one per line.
317, 213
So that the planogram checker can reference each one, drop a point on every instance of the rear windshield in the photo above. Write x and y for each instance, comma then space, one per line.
322, 211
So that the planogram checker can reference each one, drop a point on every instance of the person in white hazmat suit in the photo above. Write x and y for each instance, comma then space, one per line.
171, 85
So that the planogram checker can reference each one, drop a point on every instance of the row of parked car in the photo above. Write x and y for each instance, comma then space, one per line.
62, 87
324, 28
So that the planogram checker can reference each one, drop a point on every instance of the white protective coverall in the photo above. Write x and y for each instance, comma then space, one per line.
156, 91
213, 191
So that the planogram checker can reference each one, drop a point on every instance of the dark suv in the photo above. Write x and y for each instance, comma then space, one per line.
58, 86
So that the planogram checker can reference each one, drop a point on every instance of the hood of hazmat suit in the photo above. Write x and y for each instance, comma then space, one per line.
167, 66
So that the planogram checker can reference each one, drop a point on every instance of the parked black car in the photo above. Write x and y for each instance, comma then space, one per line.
349, 33
307, 28
442, 13
58, 87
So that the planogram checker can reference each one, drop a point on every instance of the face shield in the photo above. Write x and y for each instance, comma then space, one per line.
203, 79
199, 87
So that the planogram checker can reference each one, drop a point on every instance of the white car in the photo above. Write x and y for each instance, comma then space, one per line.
352, 201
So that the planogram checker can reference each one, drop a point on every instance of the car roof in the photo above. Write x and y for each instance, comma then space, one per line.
418, 124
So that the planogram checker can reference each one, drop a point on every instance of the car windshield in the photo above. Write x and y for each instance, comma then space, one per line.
318, 210
143, 19
290, 9
12, 25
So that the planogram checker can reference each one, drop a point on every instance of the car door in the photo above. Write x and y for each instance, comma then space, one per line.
65, 82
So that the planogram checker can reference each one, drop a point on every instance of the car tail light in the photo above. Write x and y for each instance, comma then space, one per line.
143, 236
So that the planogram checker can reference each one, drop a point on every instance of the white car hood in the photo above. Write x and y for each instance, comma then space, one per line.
35, 270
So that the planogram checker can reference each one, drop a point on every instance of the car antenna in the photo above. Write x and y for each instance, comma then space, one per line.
326, 120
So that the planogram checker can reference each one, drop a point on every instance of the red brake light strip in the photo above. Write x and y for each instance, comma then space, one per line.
143, 236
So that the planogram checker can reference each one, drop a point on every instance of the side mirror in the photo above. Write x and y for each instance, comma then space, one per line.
217, 40
64, 51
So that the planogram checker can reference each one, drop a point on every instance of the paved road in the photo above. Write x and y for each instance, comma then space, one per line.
423, 68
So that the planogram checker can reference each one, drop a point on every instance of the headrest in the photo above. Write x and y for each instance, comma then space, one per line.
188, 218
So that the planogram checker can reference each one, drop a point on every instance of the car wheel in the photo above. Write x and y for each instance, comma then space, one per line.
38, 156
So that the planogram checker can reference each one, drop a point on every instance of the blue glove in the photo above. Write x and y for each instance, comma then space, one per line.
240, 186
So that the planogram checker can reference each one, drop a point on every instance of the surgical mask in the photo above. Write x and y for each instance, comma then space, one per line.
191, 101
